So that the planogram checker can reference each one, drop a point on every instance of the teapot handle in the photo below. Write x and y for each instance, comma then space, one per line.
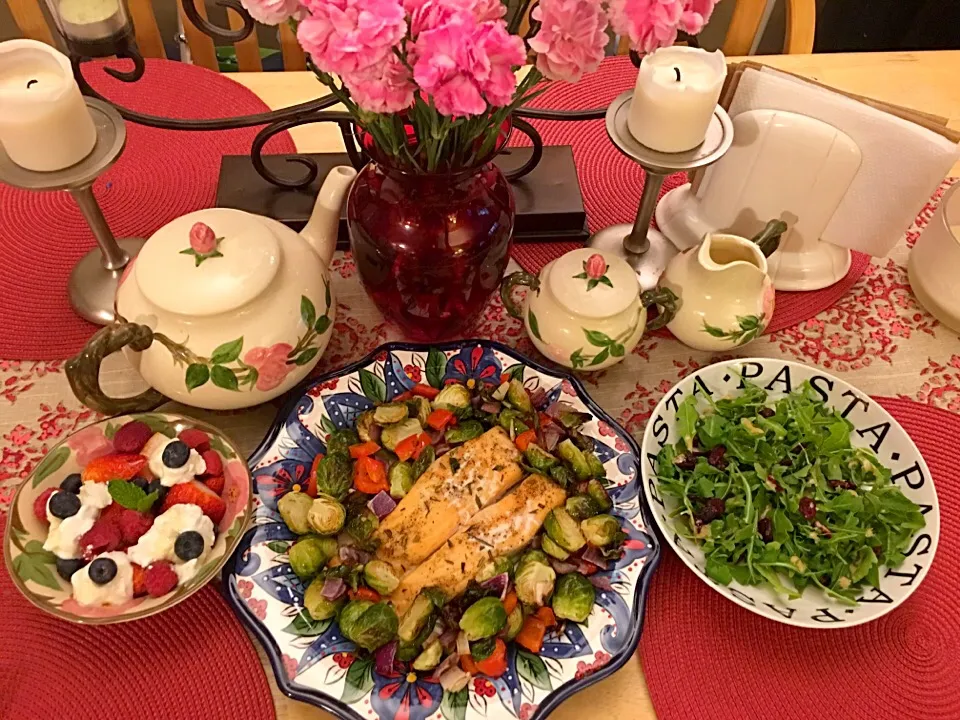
768, 239
83, 371
666, 301
509, 283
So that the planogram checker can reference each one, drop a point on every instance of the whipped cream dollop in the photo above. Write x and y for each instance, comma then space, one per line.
158, 542
116, 592
174, 476
64, 535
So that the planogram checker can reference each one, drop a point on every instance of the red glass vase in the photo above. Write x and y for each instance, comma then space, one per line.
430, 247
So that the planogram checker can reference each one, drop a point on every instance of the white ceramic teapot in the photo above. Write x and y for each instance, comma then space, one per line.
585, 310
221, 309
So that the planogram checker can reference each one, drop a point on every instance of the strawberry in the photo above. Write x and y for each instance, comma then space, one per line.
103, 537
139, 580
194, 438
40, 504
114, 467
196, 493
133, 524
159, 579
213, 462
132, 437
215, 483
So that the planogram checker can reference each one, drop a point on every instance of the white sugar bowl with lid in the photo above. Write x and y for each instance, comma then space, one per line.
221, 309
585, 309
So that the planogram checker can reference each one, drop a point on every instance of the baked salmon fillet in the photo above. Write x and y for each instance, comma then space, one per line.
452, 490
503, 528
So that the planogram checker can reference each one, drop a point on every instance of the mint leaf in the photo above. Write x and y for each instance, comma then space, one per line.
148, 500
128, 495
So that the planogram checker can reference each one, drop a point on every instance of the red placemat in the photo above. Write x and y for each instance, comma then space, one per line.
191, 661
703, 656
611, 183
162, 174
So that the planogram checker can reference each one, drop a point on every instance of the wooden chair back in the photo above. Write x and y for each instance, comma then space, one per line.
30, 19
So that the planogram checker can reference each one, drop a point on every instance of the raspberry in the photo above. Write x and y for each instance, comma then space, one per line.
133, 524
132, 437
40, 505
159, 579
111, 513
213, 462
194, 438
215, 483
103, 537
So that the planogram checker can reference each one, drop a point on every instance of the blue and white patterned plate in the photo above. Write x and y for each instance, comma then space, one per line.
314, 663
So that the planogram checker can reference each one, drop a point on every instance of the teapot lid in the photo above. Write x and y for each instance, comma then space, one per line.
208, 262
593, 283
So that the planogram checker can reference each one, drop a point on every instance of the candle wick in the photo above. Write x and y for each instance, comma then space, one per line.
677, 71
31, 82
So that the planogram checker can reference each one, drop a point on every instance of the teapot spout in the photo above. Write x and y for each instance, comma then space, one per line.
321, 229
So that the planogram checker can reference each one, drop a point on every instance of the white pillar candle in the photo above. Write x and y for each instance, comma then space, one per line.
89, 19
44, 122
676, 94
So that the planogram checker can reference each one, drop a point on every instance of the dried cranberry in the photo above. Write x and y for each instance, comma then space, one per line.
717, 457
843, 485
685, 462
767, 412
711, 510
776, 485
808, 508
786, 462
765, 528
878, 551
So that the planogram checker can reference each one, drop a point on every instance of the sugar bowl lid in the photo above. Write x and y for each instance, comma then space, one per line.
208, 262
593, 283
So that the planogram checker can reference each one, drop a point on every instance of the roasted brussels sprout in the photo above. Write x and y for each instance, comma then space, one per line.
326, 515
430, 657
369, 625
467, 430
392, 435
407, 651
335, 475
401, 479
552, 549
512, 421
572, 418
319, 607
593, 462
492, 568
539, 459
380, 576
601, 530
517, 396
361, 525
310, 554
339, 442
563, 475
416, 617
391, 413
436, 596
367, 427
514, 624
482, 649
564, 530
596, 490
420, 408
294, 507
535, 578
420, 465
573, 598
453, 396
581, 507
575, 459
485, 618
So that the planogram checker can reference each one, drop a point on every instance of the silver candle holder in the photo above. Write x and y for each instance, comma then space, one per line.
647, 250
94, 279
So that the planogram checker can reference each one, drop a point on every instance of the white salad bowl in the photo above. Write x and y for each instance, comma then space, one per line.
312, 660
874, 428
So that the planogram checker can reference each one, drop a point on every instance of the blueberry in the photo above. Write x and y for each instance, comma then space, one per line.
176, 454
66, 568
140, 483
156, 487
189, 545
102, 570
71, 483
64, 504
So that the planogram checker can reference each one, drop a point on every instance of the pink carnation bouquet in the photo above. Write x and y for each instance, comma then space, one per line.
432, 81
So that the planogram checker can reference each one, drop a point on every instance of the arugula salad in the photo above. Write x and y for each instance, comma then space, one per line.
775, 494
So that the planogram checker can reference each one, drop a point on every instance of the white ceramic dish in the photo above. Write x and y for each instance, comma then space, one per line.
874, 428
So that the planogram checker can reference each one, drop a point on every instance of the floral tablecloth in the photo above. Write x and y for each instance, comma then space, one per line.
878, 335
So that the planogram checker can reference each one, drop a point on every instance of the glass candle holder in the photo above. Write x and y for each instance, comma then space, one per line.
92, 28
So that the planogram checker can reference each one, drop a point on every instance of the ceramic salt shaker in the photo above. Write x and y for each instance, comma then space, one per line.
585, 309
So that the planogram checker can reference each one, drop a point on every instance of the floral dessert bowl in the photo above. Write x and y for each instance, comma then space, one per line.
315, 663
127, 517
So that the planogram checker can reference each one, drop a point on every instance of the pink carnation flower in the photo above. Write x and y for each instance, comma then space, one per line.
465, 65
271, 12
348, 36
571, 39
429, 14
651, 24
382, 88
696, 14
